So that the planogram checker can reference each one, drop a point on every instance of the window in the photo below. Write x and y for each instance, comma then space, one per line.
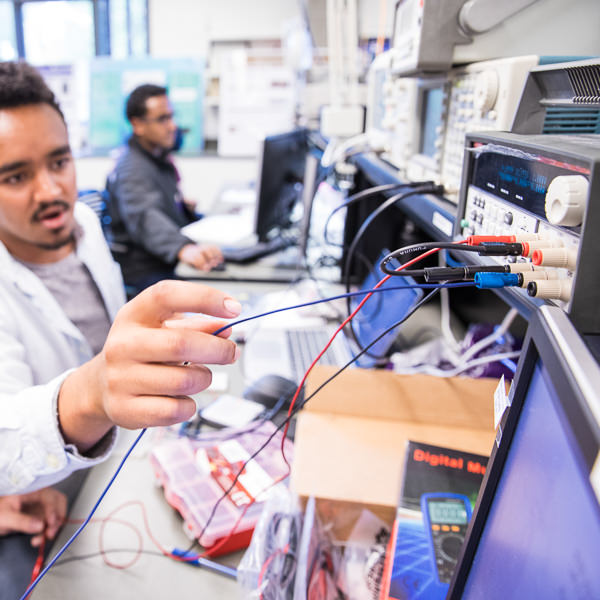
8, 41
128, 28
57, 32
48, 32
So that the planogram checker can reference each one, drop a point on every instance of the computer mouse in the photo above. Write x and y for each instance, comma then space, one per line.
269, 389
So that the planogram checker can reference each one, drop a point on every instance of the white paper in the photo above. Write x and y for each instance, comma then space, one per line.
501, 402
225, 230
232, 411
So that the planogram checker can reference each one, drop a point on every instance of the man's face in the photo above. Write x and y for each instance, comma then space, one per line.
37, 184
157, 129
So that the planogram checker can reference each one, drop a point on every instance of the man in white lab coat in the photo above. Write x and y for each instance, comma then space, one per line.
74, 360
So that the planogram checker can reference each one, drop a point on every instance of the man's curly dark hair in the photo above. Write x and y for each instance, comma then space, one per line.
22, 85
135, 107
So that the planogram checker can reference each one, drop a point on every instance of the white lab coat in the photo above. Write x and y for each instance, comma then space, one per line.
39, 346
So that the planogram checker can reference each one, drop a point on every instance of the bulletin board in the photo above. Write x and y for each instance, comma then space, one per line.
111, 81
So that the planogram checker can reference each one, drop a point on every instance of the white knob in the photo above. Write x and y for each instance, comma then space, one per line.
558, 289
566, 200
486, 90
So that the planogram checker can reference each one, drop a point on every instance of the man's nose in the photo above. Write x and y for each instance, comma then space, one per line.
46, 187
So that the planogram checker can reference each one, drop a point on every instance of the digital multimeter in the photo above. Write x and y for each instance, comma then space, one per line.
445, 517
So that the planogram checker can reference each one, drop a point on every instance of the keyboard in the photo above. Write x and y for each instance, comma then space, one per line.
244, 254
305, 345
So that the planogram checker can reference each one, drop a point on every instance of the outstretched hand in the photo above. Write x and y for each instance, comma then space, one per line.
150, 365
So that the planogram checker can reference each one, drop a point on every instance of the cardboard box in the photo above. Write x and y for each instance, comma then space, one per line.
351, 437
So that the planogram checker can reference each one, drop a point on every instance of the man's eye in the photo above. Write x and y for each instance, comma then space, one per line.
14, 179
60, 163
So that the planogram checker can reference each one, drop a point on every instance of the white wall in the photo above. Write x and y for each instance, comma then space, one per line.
375, 17
185, 27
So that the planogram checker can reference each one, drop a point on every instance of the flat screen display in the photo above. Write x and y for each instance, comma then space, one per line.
541, 538
280, 181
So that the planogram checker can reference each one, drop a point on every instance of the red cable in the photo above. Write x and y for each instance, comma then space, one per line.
283, 437
110, 518
267, 562
39, 561
346, 321
224, 540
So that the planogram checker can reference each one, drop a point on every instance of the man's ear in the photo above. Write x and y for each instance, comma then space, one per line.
137, 125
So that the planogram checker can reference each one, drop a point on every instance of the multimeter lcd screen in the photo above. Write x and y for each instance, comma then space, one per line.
451, 513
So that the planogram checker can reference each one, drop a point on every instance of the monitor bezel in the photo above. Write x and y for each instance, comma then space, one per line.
312, 179
259, 213
575, 375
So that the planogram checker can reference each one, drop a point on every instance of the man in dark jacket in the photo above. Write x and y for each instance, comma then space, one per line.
145, 203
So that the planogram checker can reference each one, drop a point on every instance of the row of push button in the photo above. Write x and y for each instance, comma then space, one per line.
454, 528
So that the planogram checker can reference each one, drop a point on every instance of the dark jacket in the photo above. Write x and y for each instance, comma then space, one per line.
146, 208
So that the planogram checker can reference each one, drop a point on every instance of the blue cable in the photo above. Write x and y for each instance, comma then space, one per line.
426, 286
510, 364
87, 520
450, 261
198, 561
112, 479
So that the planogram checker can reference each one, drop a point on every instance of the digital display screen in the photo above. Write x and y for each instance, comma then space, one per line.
448, 512
542, 532
519, 180
431, 120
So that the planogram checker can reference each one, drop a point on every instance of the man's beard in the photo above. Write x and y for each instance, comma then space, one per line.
58, 243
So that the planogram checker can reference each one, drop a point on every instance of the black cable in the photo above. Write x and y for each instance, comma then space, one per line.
206, 564
76, 558
483, 249
359, 234
367, 222
367, 194
278, 578
300, 405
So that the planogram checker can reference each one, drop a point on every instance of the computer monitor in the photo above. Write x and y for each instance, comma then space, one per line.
280, 180
535, 532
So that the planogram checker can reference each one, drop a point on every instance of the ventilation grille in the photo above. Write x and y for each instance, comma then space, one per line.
572, 119
586, 83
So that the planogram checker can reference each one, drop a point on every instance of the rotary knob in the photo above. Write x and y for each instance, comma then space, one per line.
566, 200
486, 90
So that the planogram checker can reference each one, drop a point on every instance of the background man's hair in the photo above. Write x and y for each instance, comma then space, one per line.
22, 85
136, 103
